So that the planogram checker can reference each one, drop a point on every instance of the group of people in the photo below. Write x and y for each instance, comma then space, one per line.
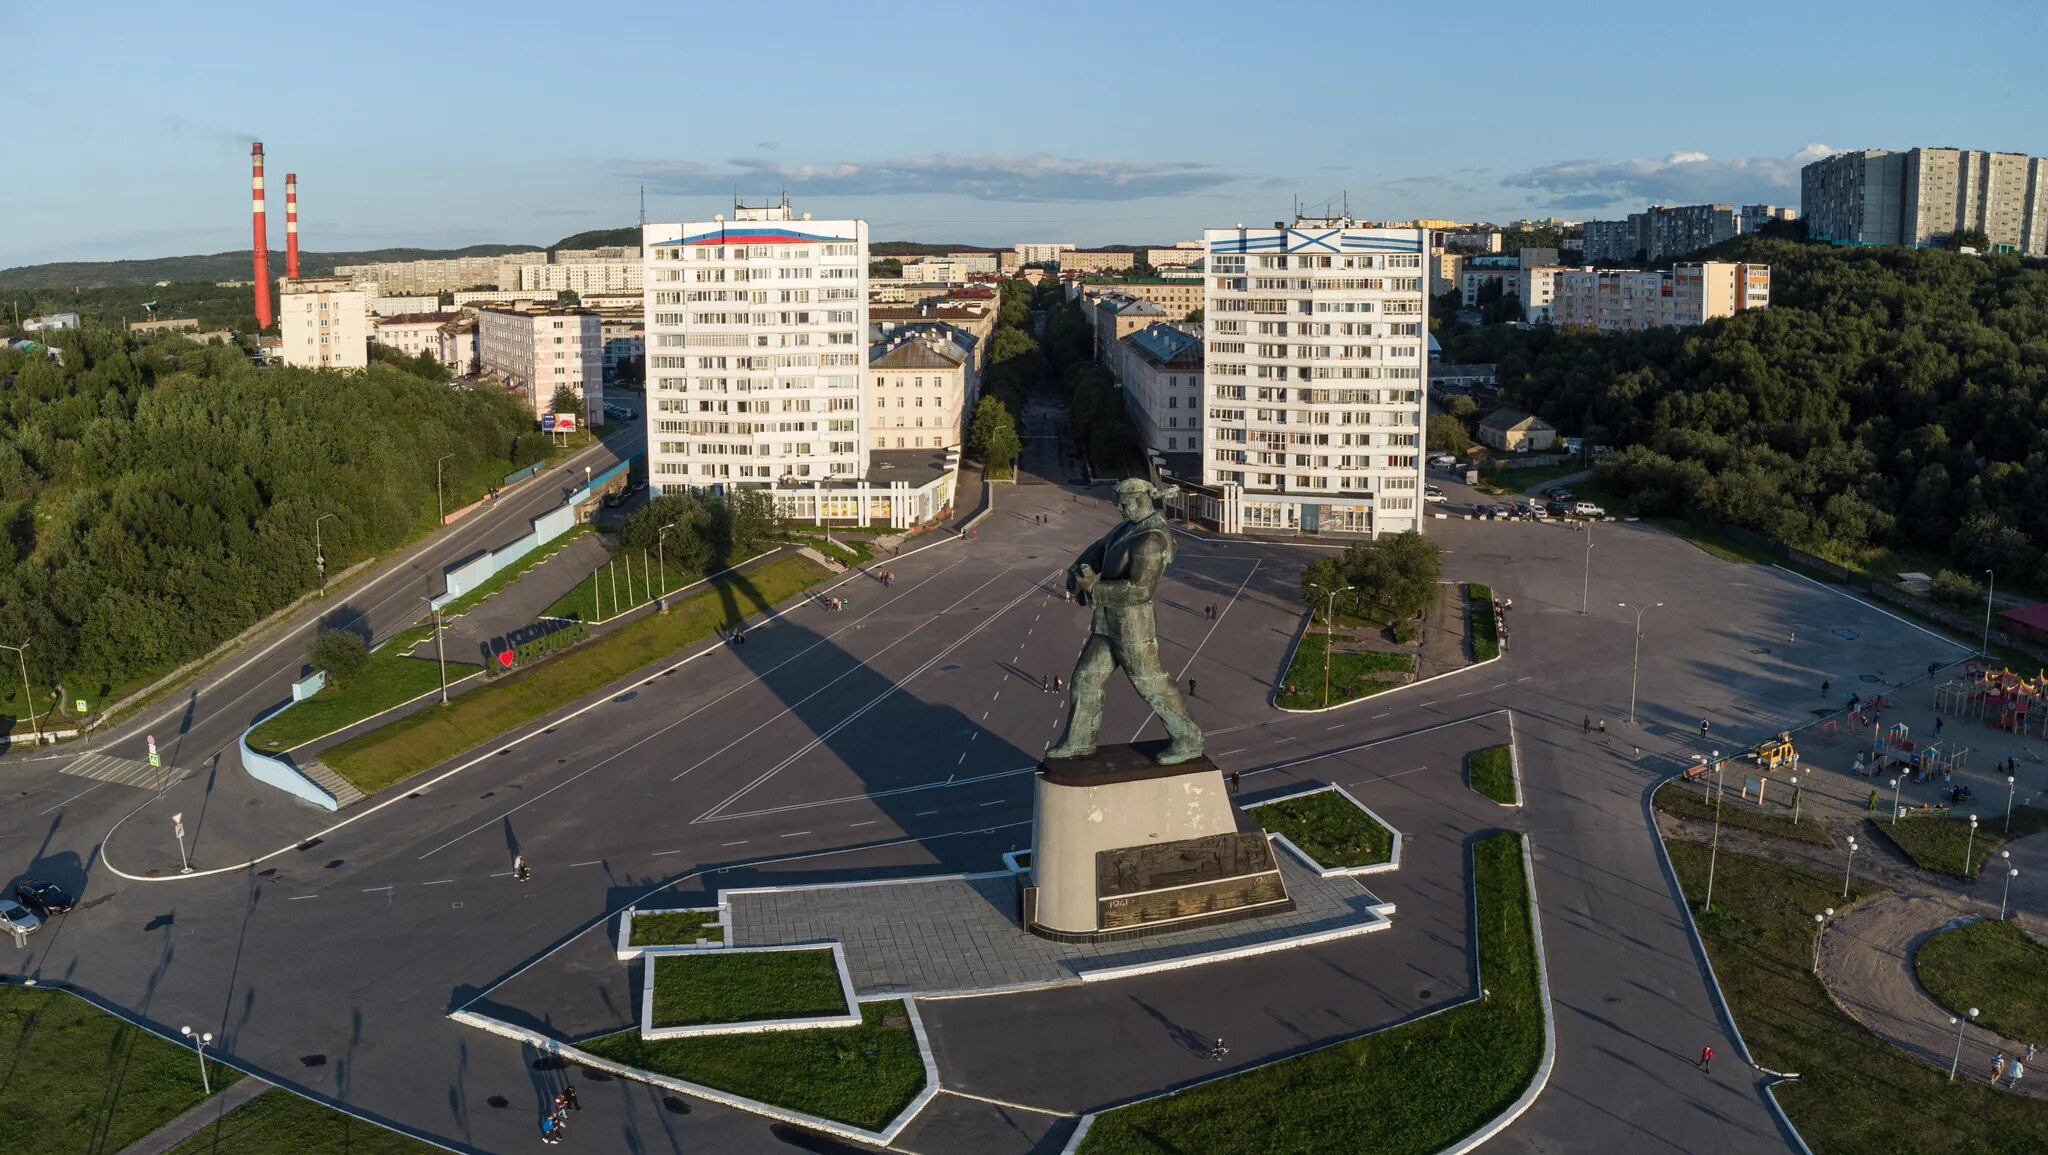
887, 577
2007, 1070
1052, 683
556, 1121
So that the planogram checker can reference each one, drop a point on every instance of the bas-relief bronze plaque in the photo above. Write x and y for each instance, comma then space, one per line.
1132, 869
1209, 898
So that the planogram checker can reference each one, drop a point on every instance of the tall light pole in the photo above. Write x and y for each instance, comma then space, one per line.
1958, 1060
439, 653
1820, 926
1714, 855
1795, 800
1895, 802
319, 554
2011, 872
440, 506
1329, 636
1636, 666
661, 554
1586, 585
1991, 586
199, 1042
1848, 864
2011, 784
1969, 843
27, 696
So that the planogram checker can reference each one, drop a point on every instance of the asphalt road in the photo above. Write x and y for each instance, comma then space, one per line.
897, 737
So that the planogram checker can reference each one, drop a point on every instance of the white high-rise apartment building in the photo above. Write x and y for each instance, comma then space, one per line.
757, 350
1314, 350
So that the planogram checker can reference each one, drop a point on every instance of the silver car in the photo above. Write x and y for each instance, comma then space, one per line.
16, 918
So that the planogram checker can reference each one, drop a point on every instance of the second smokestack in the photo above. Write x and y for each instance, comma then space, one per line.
291, 225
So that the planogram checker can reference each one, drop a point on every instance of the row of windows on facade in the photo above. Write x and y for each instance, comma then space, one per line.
784, 317
754, 276
831, 383
1317, 284
1319, 372
1319, 328
1280, 481
769, 361
753, 340
672, 253
1227, 263
1352, 461
760, 472
1276, 306
743, 449
747, 297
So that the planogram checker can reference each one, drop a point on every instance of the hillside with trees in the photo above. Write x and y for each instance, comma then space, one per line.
160, 496
210, 267
1889, 399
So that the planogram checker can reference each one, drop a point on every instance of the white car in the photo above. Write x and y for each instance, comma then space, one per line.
1431, 495
16, 918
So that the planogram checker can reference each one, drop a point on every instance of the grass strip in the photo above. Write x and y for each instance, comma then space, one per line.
1492, 772
1855, 1095
79, 1079
279, 1121
1406, 1090
516, 570
388, 679
864, 1075
1694, 800
1994, 966
419, 741
1485, 633
1514, 482
745, 987
626, 581
1327, 827
675, 927
1352, 675
1941, 842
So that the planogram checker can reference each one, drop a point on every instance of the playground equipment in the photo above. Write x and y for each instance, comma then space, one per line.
2000, 697
1776, 752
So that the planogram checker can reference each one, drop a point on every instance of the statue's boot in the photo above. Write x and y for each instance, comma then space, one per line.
1071, 748
1160, 694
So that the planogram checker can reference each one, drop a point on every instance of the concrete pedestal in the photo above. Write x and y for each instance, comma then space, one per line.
1123, 846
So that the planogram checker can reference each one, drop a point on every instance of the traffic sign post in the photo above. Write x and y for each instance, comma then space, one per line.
178, 824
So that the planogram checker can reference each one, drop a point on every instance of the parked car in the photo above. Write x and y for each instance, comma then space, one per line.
1557, 509
16, 918
1557, 493
44, 898
1528, 509
1431, 495
1443, 461
1587, 509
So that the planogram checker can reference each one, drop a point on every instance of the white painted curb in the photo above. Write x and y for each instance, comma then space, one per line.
1392, 863
884, 1137
653, 955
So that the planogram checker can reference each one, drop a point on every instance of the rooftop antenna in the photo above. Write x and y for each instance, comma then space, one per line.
643, 206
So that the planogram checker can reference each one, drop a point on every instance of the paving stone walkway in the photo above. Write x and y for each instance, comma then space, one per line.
957, 933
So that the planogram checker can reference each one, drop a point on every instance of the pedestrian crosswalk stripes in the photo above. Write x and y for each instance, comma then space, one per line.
120, 771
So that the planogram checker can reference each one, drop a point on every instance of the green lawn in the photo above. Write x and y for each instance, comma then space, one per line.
1855, 1095
675, 928
277, 1122
1993, 966
620, 585
409, 745
73, 1078
1352, 675
388, 679
1938, 842
1690, 800
864, 1075
745, 986
1492, 773
1328, 828
516, 570
1408, 1090
1515, 482
1479, 620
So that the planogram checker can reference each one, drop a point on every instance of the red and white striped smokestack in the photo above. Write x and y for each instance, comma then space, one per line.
262, 244
291, 225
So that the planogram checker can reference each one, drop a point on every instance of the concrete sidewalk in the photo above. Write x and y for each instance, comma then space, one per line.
198, 1119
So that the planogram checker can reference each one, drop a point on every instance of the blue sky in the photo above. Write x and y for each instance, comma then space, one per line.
442, 124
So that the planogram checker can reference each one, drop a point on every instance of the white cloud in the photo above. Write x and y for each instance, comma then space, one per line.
1679, 178
985, 176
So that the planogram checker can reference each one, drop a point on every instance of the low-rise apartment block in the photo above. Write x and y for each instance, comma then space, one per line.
624, 334
445, 275
1038, 253
578, 277
415, 333
1096, 261
1661, 232
1178, 297
1162, 387
541, 350
1925, 196
918, 389
1630, 300
324, 323
1180, 256
1755, 217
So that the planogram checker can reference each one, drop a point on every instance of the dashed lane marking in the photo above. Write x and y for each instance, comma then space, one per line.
374, 889
796, 834
438, 882
741, 842
302, 897
1239, 750
869, 822
592, 862
924, 813
657, 854
997, 802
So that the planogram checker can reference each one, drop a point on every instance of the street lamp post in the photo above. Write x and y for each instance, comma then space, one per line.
1636, 666
1330, 635
1586, 584
2011, 784
1820, 926
1895, 802
319, 554
199, 1042
1795, 800
440, 654
661, 554
440, 506
27, 696
1991, 585
1969, 843
2011, 872
1714, 855
1848, 865
1958, 1025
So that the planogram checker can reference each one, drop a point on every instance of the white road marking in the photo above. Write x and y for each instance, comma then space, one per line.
374, 889
796, 834
74, 797
869, 822
657, 854
924, 813
997, 802
1204, 642
592, 862
438, 882
1338, 726
1388, 714
1466, 694
1239, 750
741, 842
301, 897
963, 758
502, 874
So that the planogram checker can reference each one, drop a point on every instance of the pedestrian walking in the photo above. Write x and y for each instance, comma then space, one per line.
1218, 1050
550, 1131
1603, 727
1998, 1067
1703, 728
1823, 687
1059, 684
1191, 687
519, 871
569, 1093
561, 1107
1045, 683
1707, 1059
1586, 725
2013, 1071
1233, 781
1937, 727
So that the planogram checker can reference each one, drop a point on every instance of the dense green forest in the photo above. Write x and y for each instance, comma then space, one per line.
1888, 399
159, 496
114, 306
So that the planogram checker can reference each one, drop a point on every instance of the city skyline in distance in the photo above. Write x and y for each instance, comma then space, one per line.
1137, 124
